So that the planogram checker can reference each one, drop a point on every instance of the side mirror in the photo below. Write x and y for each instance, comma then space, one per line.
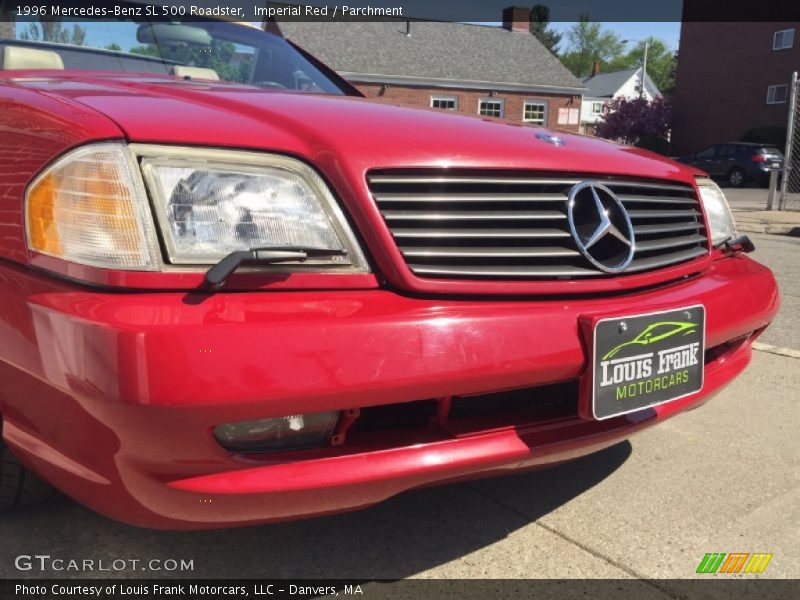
172, 35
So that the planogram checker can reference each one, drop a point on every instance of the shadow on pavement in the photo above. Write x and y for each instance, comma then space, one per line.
405, 535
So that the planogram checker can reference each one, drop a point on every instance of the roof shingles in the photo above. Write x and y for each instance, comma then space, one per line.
435, 51
606, 85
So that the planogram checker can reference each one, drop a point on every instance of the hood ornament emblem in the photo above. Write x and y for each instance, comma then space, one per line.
601, 226
550, 139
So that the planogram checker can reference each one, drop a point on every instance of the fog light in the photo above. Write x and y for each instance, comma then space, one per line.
294, 432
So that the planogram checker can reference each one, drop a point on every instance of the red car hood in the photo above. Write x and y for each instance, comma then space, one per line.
337, 132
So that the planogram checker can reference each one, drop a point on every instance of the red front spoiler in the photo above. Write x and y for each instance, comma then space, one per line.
112, 397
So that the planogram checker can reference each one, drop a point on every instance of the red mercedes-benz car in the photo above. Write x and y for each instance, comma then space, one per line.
245, 294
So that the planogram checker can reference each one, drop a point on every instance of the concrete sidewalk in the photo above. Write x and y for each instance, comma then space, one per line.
749, 210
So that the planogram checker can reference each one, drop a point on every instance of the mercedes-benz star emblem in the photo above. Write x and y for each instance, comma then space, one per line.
601, 226
550, 139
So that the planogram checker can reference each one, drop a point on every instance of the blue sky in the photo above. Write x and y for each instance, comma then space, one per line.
669, 32
123, 33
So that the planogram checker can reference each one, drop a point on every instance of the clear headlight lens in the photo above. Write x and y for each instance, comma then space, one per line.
212, 203
90, 207
720, 220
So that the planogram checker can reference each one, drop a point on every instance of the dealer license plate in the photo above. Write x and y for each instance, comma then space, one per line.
645, 360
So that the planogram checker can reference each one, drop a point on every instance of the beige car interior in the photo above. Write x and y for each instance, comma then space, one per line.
15, 58
194, 72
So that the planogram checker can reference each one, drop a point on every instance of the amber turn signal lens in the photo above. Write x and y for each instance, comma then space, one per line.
90, 208
42, 232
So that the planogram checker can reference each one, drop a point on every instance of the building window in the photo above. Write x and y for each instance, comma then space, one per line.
444, 102
534, 112
597, 108
776, 94
783, 39
490, 107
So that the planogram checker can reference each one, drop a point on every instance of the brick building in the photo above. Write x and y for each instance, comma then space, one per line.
473, 69
731, 77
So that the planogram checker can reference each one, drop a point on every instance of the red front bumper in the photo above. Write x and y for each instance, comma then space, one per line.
112, 397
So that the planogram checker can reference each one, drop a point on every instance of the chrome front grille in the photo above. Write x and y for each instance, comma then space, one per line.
485, 227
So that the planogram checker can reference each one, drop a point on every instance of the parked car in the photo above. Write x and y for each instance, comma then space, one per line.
233, 291
737, 163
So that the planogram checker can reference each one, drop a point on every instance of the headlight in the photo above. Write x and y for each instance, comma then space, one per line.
211, 203
719, 217
90, 207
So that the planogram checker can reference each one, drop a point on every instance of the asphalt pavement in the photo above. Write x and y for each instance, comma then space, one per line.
722, 478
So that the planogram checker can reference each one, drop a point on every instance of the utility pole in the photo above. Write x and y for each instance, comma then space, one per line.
644, 63
644, 68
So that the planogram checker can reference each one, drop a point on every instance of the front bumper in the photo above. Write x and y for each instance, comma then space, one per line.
113, 397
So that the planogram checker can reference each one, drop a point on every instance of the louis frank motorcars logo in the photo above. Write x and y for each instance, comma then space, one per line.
652, 371
655, 333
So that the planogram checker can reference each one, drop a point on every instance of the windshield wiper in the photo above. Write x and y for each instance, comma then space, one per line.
217, 275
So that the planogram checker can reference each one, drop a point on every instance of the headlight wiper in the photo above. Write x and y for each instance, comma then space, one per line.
743, 244
217, 275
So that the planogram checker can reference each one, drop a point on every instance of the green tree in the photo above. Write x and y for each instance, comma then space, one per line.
540, 27
220, 56
54, 31
114, 46
588, 42
148, 50
661, 63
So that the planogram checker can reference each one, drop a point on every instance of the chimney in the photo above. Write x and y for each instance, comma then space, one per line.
7, 30
596, 68
516, 18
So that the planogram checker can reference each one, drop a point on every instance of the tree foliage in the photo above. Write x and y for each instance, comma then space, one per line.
661, 63
54, 31
629, 121
588, 42
540, 27
220, 56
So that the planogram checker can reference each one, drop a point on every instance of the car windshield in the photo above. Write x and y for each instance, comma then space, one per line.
197, 49
771, 150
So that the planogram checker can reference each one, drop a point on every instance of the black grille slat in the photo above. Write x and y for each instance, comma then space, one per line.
626, 199
459, 198
507, 227
667, 228
459, 180
503, 271
669, 242
465, 252
476, 215
652, 262
480, 233
658, 187
662, 214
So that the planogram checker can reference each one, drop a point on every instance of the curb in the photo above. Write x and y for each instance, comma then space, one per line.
790, 229
788, 352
